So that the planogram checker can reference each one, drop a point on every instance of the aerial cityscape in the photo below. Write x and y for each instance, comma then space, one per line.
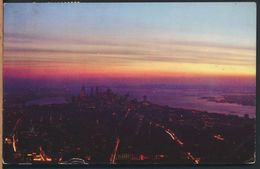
138, 83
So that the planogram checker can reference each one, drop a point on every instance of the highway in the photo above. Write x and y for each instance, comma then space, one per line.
114, 153
173, 136
117, 142
13, 134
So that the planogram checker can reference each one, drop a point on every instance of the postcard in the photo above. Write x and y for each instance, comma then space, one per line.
129, 83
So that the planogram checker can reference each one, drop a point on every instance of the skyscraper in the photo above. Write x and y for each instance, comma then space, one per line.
82, 92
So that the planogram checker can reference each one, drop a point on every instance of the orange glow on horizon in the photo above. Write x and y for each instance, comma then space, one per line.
81, 71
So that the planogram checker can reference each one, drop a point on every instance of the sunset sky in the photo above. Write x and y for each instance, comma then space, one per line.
130, 40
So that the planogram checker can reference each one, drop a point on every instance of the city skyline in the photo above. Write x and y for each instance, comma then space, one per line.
129, 83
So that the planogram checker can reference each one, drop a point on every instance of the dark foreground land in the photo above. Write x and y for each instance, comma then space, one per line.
106, 128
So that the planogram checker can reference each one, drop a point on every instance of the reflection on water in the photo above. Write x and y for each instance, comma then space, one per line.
191, 99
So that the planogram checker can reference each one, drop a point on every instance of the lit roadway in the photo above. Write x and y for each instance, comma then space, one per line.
173, 136
114, 153
13, 134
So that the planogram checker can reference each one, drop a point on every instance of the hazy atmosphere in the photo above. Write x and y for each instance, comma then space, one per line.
130, 40
129, 83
